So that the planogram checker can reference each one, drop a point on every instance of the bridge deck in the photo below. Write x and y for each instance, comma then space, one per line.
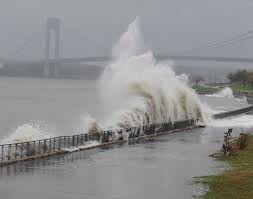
108, 58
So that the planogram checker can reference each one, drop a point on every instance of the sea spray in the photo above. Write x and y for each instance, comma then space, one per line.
136, 90
243, 100
225, 92
25, 133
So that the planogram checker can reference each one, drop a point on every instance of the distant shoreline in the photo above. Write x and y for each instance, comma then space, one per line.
65, 71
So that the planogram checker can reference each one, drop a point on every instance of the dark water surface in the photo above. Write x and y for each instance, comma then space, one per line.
58, 104
163, 167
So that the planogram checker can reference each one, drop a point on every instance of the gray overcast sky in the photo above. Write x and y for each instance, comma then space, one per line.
90, 27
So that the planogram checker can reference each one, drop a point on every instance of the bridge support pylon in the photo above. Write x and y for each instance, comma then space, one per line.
53, 24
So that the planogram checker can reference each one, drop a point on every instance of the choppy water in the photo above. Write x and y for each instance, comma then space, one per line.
56, 105
163, 167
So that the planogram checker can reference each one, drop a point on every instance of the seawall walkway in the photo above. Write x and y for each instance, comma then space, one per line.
16, 152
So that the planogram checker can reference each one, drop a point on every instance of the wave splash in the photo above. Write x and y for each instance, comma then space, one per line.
228, 93
225, 92
136, 90
26, 133
139, 91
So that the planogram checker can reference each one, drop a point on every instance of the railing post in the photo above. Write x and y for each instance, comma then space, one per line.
54, 143
2, 153
73, 140
39, 147
34, 148
59, 144
16, 150
68, 141
76, 143
81, 139
27, 149
9, 152
50, 144
86, 137
103, 137
45, 146
21, 150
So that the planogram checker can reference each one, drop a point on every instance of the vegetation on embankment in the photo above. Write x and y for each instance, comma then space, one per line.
241, 82
205, 89
242, 88
234, 183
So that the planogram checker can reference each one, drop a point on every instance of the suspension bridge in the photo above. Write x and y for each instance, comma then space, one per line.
51, 63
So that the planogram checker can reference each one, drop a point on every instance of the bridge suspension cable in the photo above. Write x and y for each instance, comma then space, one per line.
22, 49
235, 39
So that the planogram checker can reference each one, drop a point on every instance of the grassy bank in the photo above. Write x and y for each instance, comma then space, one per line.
238, 88
205, 89
235, 183
242, 88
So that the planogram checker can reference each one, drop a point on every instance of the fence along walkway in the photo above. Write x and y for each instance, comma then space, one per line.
11, 153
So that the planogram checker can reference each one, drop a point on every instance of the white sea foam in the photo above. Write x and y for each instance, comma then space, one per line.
242, 100
226, 92
137, 90
86, 146
238, 121
25, 133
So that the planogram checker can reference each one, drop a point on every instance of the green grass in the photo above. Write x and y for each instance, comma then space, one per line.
242, 87
205, 89
236, 183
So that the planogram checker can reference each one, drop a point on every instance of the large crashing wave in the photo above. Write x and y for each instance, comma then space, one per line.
137, 90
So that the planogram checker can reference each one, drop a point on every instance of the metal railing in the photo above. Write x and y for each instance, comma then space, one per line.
38, 148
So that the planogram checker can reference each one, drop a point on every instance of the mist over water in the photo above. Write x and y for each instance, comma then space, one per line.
134, 90
137, 90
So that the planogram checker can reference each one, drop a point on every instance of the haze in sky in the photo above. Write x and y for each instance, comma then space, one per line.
91, 27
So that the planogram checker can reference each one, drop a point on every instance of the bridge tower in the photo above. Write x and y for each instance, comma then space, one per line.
53, 25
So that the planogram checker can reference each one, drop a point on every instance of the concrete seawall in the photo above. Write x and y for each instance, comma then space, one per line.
233, 113
18, 152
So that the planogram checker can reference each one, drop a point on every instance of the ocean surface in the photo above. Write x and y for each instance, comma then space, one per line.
162, 167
